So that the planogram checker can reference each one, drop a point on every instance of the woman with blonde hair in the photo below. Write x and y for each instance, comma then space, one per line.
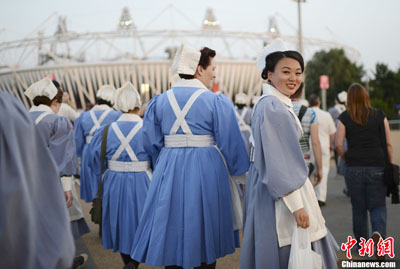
361, 125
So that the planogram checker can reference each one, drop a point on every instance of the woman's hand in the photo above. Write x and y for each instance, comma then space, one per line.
68, 198
317, 177
302, 218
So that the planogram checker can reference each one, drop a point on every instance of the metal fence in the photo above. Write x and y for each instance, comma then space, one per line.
394, 124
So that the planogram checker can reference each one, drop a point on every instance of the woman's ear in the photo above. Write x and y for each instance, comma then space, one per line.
200, 70
55, 106
269, 75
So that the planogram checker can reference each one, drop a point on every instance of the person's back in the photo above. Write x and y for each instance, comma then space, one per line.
125, 184
57, 132
326, 127
336, 110
195, 143
195, 173
84, 129
365, 128
326, 133
34, 227
99, 115
339, 107
308, 118
200, 118
243, 115
194, 139
364, 144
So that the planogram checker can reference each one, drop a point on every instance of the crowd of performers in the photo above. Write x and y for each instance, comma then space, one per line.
172, 182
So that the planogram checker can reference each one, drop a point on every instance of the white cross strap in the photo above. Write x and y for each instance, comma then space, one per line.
89, 139
97, 123
125, 141
240, 117
41, 117
181, 114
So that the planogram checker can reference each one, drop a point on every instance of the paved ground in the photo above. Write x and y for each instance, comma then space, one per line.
337, 213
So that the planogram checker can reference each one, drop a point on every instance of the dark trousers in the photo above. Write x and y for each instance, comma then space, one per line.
127, 259
368, 195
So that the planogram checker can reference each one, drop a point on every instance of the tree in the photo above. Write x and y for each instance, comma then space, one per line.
385, 90
341, 71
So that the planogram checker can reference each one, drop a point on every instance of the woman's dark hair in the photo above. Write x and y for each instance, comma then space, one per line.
104, 102
298, 93
43, 100
272, 59
55, 83
313, 100
205, 61
240, 106
358, 105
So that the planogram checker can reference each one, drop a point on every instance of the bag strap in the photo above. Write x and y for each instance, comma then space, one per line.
102, 159
302, 111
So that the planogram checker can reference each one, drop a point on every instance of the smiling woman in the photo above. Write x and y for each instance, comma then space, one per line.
284, 70
279, 196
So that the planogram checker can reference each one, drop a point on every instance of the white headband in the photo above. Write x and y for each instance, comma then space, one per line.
276, 45
342, 96
44, 87
242, 99
106, 92
186, 60
127, 98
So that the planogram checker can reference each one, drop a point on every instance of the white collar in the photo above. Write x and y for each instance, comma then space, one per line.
191, 83
340, 107
268, 89
101, 107
315, 108
41, 108
129, 117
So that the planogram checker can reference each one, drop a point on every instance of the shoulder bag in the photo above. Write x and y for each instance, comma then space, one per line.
391, 171
96, 210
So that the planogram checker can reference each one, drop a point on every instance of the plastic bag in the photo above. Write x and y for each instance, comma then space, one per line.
301, 254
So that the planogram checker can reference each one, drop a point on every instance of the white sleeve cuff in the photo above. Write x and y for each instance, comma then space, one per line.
240, 179
66, 183
293, 201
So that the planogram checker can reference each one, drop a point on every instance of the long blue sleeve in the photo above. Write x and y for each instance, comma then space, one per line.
62, 146
94, 152
279, 159
228, 137
153, 139
79, 136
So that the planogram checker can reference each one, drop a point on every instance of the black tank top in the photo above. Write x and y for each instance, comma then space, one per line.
364, 142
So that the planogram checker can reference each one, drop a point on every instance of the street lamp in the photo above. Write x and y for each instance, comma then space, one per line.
300, 35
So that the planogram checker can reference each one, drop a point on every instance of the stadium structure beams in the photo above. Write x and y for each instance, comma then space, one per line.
88, 39
83, 62
81, 81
